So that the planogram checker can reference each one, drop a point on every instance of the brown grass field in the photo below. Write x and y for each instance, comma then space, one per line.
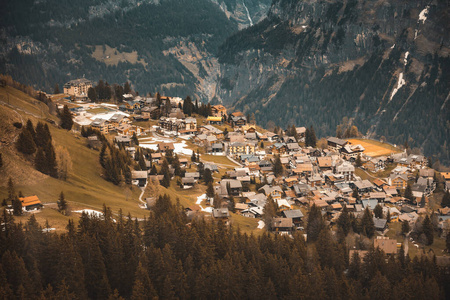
374, 148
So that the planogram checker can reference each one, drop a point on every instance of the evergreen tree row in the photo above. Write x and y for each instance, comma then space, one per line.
114, 256
38, 140
116, 163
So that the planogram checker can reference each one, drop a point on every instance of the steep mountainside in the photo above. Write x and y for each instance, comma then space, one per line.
384, 64
159, 45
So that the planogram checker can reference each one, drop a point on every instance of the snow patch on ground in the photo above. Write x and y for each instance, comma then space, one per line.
180, 148
90, 212
393, 46
208, 209
415, 33
401, 82
200, 199
405, 60
423, 15
261, 224
48, 229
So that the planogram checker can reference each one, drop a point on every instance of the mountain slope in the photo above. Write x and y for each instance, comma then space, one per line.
158, 45
383, 64
84, 188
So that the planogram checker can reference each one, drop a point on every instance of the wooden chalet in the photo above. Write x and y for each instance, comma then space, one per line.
30, 203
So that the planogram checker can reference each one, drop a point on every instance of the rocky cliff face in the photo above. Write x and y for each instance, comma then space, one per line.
383, 64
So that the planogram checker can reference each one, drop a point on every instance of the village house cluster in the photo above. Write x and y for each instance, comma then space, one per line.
323, 176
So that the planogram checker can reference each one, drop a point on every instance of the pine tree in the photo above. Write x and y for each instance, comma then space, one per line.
17, 207
62, 204
368, 226
102, 156
96, 279
207, 176
42, 136
277, 167
135, 139
313, 139
127, 88
358, 162
405, 227
422, 201
112, 171
25, 143
388, 216
30, 128
269, 212
409, 194
428, 230
210, 190
231, 204
142, 163
315, 223
11, 189
153, 171
127, 175
56, 89
343, 221
354, 268
166, 173
92, 94
39, 161
66, 118
193, 157
176, 166
446, 199
50, 159
378, 211
355, 194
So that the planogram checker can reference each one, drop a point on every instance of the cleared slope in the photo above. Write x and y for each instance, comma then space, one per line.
84, 188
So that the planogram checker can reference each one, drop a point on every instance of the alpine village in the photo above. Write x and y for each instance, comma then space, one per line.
107, 193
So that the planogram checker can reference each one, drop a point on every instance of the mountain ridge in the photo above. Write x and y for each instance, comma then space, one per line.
375, 62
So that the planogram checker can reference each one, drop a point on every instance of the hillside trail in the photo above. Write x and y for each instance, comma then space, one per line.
144, 204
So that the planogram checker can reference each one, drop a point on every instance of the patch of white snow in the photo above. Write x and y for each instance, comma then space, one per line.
261, 224
208, 209
180, 148
248, 14
200, 199
423, 15
405, 60
401, 82
393, 46
90, 212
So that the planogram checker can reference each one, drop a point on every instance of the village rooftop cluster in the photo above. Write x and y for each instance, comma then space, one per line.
324, 176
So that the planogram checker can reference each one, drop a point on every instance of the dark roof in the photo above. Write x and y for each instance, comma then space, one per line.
379, 223
293, 213
336, 141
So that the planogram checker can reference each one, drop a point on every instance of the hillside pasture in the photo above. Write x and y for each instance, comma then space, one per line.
374, 148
